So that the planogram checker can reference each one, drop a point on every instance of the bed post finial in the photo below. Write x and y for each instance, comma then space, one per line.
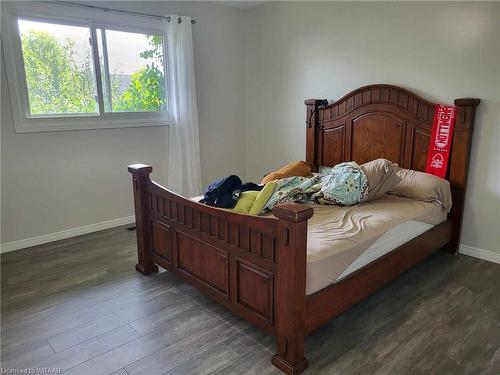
140, 180
140, 169
312, 123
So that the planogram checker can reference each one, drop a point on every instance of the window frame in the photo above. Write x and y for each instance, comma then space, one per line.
65, 15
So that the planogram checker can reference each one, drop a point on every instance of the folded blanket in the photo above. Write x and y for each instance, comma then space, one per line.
346, 184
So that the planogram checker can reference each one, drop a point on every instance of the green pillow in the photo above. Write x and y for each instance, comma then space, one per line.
262, 198
245, 202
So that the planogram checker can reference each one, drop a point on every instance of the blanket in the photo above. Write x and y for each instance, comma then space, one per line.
345, 184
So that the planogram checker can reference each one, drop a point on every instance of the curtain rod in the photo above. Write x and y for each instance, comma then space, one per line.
193, 21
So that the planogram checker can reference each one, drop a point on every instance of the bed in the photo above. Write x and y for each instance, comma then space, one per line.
262, 267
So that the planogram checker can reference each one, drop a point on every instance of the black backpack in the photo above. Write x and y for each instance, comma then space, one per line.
223, 193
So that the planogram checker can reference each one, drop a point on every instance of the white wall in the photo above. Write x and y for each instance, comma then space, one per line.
442, 51
55, 181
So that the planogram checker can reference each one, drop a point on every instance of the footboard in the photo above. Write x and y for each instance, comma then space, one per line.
255, 266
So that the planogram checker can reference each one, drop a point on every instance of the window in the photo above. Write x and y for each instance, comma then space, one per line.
66, 73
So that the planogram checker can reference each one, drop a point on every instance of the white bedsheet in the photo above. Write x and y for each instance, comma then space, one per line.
391, 240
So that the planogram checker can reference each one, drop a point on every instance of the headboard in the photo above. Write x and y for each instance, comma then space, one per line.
385, 121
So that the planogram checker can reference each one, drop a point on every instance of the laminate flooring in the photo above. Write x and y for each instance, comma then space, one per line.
77, 306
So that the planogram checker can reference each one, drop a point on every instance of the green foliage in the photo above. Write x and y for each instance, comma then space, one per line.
56, 84
146, 91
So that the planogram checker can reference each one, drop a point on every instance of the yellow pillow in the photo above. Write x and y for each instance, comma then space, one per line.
245, 202
299, 168
262, 198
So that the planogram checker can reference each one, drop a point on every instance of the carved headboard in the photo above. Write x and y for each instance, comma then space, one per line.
384, 121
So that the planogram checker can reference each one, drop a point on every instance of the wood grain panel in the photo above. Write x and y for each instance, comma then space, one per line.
377, 135
255, 289
173, 210
233, 233
203, 262
268, 247
162, 240
243, 237
196, 219
333, 146
419, 150
205, 223
256, 242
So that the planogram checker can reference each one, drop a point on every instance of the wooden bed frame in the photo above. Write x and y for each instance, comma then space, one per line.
256, 266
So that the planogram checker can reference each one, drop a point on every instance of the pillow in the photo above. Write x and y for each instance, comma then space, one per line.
299, 168
262, 198
422, 187
346, 185
245, 201
382, 177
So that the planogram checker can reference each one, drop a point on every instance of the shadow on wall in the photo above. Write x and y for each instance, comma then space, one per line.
483, 189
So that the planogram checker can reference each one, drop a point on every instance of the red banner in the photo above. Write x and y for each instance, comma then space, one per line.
441, 137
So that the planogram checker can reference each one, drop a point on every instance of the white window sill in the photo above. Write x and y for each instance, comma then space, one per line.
51, 124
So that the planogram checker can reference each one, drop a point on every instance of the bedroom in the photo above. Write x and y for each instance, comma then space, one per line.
71, 298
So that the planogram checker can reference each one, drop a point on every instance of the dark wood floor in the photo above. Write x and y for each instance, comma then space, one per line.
78, 305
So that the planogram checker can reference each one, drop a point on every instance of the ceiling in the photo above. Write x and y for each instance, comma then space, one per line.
242, 4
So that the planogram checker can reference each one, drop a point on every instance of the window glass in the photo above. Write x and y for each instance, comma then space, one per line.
133, 71
59, 68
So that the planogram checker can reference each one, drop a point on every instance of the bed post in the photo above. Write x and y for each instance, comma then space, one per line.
290, 302
459, 164
312, 123
140, 180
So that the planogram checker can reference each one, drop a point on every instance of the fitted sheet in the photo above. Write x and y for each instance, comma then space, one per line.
338, 235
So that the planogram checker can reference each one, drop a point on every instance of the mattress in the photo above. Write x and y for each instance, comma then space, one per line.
342, 240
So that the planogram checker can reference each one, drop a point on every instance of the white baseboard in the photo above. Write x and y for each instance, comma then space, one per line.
67, 233
480, 253
51, 237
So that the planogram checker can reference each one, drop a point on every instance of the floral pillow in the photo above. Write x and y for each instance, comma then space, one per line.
346, 184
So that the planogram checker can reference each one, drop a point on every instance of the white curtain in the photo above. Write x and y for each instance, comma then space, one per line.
184, 174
